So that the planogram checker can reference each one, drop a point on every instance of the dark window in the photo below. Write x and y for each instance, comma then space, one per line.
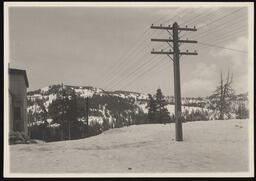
17, 115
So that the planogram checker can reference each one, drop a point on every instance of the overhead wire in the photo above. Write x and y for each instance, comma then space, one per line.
148, 62
213, 44
214, 21
138, 50
217, 46
120, 63
143, 49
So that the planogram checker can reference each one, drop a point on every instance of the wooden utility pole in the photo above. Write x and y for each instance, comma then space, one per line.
69, 133
176, 66
87, 111
62, 110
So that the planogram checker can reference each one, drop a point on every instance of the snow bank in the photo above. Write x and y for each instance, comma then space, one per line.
208, 146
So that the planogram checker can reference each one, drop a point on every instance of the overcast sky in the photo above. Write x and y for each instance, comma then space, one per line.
110, 48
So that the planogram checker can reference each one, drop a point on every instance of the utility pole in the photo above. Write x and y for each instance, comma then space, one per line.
62, 110
87, 111
176, 66
69, 135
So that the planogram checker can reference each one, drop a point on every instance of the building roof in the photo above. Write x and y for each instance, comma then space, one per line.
20, 72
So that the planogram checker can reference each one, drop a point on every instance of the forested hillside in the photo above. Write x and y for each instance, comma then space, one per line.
62, 112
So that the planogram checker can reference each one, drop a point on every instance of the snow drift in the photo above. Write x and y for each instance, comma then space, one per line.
208, 146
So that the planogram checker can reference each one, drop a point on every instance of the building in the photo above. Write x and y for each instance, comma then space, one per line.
18, 84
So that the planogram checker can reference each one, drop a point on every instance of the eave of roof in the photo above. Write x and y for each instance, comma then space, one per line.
20, 72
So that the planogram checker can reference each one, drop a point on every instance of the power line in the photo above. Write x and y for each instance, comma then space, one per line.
216, 29
165, 21
211, 22
208, 30
135, 71
183, 12
196, 17
138, 51
167, 15
215, 21
154, 66
224, 37
121, 65
143, 49
112, 81
137, 44
212, 14
125, 56
218, 19
217, 46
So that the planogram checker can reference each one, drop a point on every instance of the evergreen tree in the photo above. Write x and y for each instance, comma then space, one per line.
151, 109
162, 114
192, 115
105, 125
242, 112
157, 112
186, 115
63, 110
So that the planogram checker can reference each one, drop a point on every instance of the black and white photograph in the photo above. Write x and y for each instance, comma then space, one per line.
132, 89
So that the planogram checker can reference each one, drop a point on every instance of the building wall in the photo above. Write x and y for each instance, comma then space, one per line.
10, 112
17, 87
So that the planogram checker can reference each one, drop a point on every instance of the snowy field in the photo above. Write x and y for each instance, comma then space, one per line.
208, 146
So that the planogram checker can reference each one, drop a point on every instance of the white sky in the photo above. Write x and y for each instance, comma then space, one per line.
110, 48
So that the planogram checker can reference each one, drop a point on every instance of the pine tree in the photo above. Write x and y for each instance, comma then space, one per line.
162, 113
73, 125
105, 125
157, 112
151, 109
242, 112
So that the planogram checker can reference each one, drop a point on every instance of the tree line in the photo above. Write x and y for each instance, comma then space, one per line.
69, 112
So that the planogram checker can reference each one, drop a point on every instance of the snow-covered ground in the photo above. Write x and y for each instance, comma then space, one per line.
208, 146
171, 109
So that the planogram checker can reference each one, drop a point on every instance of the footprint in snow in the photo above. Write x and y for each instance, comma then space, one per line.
238, 126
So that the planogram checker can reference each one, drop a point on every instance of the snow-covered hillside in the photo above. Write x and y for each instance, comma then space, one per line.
50, 92
171, 109
40, 100
208, 146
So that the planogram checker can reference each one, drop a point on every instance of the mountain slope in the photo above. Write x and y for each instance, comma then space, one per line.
133, 102
100, 102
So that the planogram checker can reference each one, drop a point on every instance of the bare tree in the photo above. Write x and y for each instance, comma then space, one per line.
222, 96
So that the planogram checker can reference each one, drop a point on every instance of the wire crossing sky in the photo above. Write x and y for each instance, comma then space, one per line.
110, 47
